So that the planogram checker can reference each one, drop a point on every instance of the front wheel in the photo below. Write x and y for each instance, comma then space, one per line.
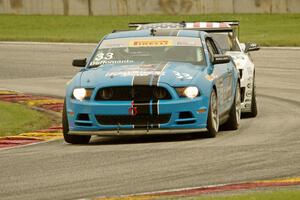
213, 116
72, 139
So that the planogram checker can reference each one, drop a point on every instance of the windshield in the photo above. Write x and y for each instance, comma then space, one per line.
162, 49
226, 41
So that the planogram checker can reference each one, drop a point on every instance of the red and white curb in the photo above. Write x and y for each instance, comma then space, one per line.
42, 103
197, 191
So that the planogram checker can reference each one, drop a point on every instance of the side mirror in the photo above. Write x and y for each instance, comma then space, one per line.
243, 46
251, 47
220, 59
79, 62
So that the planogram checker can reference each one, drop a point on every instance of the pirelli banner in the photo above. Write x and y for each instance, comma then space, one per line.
142, 7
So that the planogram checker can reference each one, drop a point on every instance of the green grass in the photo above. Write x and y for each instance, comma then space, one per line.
16, 118
281, 194
265, 29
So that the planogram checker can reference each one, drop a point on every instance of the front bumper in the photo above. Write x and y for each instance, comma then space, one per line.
247, 79
247, 89
175, 109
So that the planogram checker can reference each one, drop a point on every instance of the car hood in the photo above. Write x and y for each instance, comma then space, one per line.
172, 73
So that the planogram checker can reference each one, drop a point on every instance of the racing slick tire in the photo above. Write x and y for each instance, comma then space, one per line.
72, 139
235, 111
253, 112
213, 120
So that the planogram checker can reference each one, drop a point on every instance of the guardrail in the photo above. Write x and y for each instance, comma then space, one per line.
143, 7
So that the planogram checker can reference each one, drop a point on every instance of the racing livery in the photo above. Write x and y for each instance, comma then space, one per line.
226, 35
152, 82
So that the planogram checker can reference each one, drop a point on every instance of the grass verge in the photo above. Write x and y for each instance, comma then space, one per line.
16, 119
265, 29
281, 194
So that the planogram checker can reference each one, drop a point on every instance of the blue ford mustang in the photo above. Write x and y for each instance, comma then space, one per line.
152, 82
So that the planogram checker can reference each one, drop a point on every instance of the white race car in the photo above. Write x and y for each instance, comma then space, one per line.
226, 35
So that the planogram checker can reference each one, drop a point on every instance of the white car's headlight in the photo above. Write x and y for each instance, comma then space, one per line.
79, 93
190, 92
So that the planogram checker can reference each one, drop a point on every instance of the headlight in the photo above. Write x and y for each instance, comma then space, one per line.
82, 93
190, 92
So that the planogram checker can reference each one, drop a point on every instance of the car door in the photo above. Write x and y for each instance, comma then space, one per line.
224, 74
230, 82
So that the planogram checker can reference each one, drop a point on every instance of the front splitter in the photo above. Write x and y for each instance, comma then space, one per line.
132, 132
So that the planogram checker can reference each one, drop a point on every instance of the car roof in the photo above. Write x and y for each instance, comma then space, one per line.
155, 33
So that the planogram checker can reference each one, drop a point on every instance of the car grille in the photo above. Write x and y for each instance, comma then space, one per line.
128, 93
139, 120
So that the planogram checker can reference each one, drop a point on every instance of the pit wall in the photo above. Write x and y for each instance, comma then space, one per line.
144, 7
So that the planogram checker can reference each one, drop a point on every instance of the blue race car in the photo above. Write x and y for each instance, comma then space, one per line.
152, 82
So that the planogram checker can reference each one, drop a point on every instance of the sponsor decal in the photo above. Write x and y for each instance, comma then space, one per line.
136, 72
186, 43
102, 62
112, 45
150, 43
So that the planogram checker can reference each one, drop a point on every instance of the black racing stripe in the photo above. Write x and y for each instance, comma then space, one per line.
155, 78
155, 83
141, 127
142, 108
143, 80
154, 111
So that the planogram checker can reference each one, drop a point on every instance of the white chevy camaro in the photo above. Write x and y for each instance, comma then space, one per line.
241, 56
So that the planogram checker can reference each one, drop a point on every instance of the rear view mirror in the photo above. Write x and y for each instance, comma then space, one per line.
251, 47
220, 59
79, 62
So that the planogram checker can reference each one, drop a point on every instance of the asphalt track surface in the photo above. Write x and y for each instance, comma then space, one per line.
266, 147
